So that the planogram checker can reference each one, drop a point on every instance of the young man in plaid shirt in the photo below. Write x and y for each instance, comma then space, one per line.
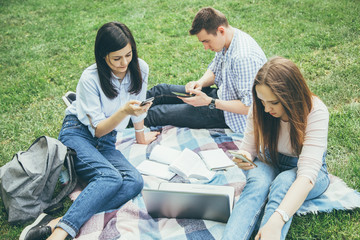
237, 60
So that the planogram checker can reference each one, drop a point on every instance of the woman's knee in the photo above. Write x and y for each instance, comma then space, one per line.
321, 184
258, 183
138, 187
134, 182
260, 177
138, 183
113, 179
283, 182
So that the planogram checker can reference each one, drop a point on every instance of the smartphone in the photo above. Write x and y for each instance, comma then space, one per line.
183, 94
242, 157
149, 100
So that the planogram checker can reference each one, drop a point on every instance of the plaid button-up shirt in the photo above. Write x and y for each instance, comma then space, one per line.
235, 70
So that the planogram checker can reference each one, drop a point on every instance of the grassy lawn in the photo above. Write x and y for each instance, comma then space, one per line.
45, 46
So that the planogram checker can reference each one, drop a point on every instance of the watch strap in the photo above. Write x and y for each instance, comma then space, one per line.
212, 103
284, 215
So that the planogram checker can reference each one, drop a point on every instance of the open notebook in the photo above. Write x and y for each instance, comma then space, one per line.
190, 201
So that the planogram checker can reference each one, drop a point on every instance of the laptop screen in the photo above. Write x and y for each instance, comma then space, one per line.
191, 201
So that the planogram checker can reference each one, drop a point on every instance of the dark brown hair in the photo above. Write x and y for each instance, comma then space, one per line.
112, 37
209, 19
286, 82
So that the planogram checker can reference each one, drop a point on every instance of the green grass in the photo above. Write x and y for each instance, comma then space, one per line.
45, 46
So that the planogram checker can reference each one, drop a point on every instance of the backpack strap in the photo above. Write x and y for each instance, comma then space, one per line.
69, 187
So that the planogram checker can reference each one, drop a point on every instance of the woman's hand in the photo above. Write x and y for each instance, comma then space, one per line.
146, 138
132, 107
150, 137
272, 229
141, 136
267, 234
242, 164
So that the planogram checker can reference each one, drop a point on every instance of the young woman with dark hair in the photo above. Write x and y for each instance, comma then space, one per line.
108, 94
286, 137
110, 38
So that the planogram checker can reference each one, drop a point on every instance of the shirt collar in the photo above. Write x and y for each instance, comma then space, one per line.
229, 51
116, 79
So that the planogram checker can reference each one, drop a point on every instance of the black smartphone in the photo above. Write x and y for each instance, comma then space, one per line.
149, 100
242, 157
183, 94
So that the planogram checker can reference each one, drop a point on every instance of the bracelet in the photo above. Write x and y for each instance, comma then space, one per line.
140, 130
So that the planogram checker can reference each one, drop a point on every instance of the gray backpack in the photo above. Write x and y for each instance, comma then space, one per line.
28, 181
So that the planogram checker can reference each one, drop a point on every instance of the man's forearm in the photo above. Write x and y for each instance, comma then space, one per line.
234, 106
207, 79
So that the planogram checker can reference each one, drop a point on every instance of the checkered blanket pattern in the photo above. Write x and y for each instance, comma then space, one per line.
132, 221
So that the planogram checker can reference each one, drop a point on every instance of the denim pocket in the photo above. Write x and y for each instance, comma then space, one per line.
70, 124
107, 140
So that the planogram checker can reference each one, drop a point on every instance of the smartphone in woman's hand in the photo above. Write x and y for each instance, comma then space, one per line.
147, 101
242, 157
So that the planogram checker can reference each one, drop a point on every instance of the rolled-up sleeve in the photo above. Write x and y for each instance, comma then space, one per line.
245, 70
88, 103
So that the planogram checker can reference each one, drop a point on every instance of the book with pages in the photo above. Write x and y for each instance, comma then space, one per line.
155, 169
189, 164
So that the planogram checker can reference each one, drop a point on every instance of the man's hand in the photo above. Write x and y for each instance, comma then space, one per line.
200, 98
193, 85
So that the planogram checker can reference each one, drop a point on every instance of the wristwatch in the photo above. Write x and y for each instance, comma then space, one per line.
212, 104
283, 214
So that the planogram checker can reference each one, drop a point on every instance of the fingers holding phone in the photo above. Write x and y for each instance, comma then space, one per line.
192, 85
132, 108
243, 159
199, 98
136, 108
147, 102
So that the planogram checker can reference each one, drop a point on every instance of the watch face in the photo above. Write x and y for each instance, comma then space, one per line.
212, 106
283, 214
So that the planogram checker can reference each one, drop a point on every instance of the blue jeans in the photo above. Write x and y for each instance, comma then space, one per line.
170, 110
112, 180
265, 188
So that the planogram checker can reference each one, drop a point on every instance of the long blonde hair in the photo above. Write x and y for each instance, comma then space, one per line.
286, 82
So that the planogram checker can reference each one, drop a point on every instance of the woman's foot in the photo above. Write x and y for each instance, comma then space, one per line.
39, 229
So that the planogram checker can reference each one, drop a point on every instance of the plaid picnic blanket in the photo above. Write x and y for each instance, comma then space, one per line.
132, 221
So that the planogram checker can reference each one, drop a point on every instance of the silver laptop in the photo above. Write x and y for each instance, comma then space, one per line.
192, 201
